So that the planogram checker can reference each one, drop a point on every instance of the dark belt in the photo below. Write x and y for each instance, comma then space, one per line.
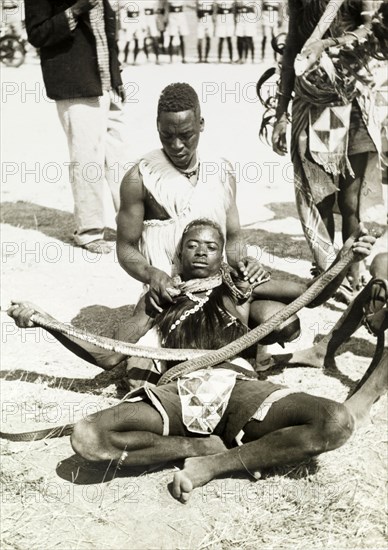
175, 9
132, 14
245, 9
224, 11
149, 11
203, 13
160, 11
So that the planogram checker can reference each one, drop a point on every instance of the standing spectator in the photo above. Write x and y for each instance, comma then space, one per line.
177, 27
270, 23
131, 30
150, 26
81, 71
161, 22
335, 133
225, 26
205, 28
246, 28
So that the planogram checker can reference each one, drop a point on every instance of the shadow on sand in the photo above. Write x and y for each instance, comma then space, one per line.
49, 221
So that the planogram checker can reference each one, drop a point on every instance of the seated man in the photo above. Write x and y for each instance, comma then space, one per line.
159, 424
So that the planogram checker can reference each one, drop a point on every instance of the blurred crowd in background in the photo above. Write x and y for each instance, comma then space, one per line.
159, 31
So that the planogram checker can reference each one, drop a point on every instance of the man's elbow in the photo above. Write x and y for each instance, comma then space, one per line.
122, 254
35, 39
125, 258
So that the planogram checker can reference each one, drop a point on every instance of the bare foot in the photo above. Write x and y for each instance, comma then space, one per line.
196, 472
311, 357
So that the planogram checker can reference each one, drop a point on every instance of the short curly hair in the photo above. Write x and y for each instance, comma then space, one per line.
178, 97
202, 222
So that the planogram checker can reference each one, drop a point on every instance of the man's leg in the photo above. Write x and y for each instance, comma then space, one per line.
349, 203
170, 48
325, 208
155, 46
295, 429
230, 48
135, 50
145, 46
126, 52
240, 50
132, 434
263, 44
84, 121
116, 150
182, 47
372, 386
251, 47
207, 48
220, 47
199, 49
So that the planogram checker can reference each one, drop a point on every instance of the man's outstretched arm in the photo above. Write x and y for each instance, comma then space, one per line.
21, 312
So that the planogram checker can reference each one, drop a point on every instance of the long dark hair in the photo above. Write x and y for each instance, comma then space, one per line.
204, 329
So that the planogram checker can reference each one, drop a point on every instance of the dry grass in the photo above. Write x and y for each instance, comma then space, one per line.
51, 500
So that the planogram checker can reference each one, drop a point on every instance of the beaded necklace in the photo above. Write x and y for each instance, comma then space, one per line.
200, 302
191, 173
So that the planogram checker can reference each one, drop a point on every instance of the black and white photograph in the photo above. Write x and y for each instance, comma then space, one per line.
194, 255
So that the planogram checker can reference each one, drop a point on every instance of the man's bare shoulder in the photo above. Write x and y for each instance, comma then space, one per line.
132, 184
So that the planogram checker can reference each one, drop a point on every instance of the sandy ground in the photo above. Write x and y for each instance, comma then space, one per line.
52, 500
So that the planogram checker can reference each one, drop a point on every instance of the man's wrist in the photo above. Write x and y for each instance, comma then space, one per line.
71, 18
149, 273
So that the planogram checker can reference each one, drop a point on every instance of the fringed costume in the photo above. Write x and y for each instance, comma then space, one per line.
332, 118
183, 202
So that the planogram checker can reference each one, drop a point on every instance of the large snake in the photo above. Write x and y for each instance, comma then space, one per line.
201, 358
110, 344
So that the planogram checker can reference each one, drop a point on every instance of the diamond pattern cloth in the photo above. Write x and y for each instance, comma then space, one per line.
204, 396
328, 137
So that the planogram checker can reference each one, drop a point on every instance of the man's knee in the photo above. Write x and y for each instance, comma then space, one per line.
86, 440
334, 427
348, 202
286, 332
326, 205
290, 330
